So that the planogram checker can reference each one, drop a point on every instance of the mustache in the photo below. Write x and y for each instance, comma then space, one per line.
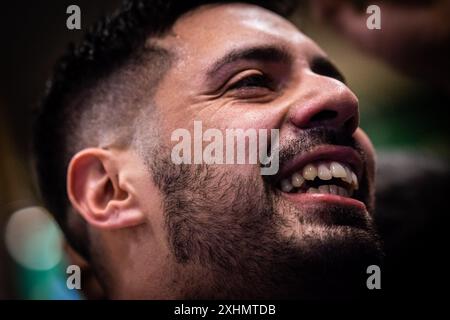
309, 139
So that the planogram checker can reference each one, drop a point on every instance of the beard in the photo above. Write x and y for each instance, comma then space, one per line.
233, 236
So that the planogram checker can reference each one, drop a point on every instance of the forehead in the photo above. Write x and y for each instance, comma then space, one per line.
212, 29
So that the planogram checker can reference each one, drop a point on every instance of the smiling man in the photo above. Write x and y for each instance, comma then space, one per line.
154, 229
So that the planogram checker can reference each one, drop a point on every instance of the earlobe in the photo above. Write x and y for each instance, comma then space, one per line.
95, 191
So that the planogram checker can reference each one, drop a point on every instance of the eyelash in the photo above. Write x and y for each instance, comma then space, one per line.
252, 81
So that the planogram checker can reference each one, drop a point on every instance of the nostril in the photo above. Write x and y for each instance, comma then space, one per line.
351, 124
324, 115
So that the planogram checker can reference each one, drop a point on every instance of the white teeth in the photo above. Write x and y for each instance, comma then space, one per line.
337, 170
330, 189
310, 172
286, 185
334, 189
297, 180
348, 178
355, 181
312, 190
323, 172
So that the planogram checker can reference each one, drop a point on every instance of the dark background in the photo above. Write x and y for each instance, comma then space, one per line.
33, 35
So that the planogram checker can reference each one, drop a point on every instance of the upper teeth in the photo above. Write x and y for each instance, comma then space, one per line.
324, 171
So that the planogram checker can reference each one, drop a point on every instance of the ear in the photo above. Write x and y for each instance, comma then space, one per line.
99, 190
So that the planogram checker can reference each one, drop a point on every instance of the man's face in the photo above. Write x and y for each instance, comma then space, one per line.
226, 230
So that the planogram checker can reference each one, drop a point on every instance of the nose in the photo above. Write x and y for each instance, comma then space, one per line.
325, 102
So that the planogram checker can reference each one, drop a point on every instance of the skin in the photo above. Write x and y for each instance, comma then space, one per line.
164, 231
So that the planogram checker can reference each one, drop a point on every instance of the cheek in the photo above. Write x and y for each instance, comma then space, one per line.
256, 121
252, 116
362, 138
148, 195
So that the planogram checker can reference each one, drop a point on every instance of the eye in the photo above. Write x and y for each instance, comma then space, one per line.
252, 81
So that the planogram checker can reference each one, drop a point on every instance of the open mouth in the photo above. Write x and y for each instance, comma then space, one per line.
328, 170
326, 177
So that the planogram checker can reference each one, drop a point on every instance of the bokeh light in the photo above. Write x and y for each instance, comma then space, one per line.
33, 239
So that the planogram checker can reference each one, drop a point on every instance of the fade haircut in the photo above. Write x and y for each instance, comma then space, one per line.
97, 89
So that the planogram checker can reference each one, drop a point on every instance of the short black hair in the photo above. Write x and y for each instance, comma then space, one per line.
82, 80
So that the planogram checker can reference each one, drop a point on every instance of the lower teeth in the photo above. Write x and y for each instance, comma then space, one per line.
329, 189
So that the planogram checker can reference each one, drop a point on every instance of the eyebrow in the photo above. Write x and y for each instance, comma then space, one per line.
259, 53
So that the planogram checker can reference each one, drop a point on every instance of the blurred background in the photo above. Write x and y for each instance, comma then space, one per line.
398, 112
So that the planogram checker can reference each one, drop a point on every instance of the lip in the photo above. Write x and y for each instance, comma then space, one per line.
305, 198
342, 154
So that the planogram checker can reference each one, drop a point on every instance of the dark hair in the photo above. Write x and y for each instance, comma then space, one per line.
82, 79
